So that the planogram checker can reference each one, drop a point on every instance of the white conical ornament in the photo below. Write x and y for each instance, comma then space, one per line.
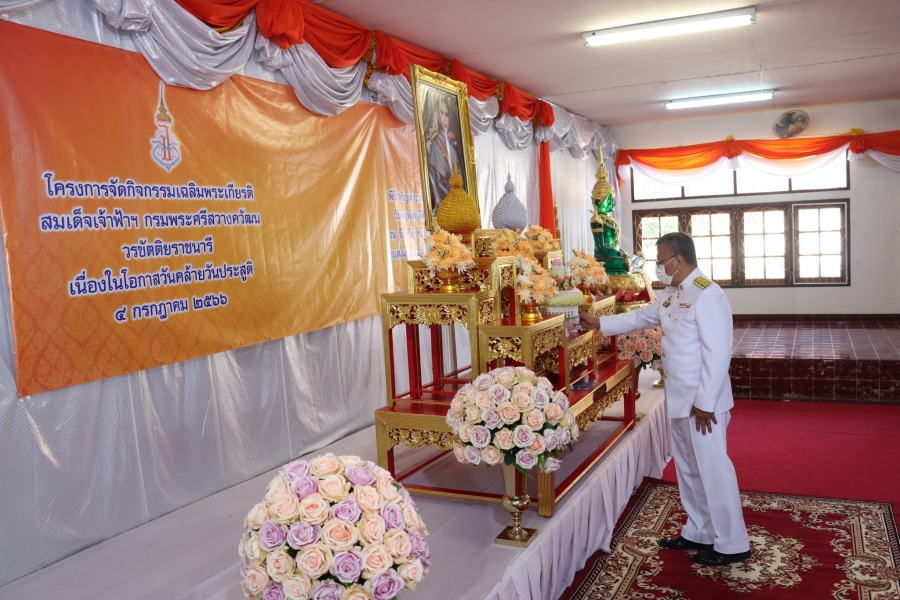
510, 213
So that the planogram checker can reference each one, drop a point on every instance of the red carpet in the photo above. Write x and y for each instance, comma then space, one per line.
816, 449
803, 548
826, 450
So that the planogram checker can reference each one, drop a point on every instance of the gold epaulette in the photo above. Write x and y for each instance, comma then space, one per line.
702, 282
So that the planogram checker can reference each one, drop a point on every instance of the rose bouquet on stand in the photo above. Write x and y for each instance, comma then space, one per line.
512, 418
541, 240
333, 528
641, 347
511, 243
447, 256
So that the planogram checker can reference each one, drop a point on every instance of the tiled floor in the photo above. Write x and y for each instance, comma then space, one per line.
821, 360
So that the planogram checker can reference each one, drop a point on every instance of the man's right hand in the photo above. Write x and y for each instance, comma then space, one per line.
589, 322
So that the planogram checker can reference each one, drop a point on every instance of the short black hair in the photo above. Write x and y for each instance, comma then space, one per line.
678, 242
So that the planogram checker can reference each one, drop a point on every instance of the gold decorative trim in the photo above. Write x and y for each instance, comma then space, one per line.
547, 362
504, 347
486, 311
596, 410
549, 339
579, 354
415, 438
438, 314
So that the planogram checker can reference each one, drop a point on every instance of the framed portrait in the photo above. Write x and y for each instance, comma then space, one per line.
441, 112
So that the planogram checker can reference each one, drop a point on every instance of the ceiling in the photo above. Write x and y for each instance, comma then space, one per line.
812, 52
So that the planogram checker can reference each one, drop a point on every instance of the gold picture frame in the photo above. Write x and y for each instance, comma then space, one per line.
441, 112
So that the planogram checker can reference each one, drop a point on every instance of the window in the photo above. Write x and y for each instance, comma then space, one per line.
821, 245
778, 244
746, 181
764, 246
714, 242
649, 228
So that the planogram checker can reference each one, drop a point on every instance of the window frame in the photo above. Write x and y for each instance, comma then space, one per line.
737, 210
790, 190
845, 229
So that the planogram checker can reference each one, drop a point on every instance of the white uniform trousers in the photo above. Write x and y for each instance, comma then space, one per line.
708, 486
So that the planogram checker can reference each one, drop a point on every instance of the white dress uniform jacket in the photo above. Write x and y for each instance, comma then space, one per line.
698, 334
695, 318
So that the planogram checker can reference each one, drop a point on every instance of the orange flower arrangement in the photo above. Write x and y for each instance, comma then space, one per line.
444, 250
541, 240
510, 243
585, 269
534, 283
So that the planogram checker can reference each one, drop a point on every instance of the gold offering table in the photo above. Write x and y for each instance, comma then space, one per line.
418, 418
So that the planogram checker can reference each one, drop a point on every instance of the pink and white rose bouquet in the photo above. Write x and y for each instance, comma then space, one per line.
333, 528
511, 416
642, 347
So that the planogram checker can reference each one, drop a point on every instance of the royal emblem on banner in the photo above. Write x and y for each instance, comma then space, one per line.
165, 147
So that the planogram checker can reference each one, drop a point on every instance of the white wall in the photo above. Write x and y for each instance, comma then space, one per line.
874, 207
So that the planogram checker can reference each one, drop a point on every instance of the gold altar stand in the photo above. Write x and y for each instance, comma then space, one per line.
418, 418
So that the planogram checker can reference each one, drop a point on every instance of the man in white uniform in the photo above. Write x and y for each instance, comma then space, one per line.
695, 318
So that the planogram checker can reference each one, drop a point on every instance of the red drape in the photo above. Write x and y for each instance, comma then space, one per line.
481, 87
397, 55
222, 13
338, 40
525, 106
547, 216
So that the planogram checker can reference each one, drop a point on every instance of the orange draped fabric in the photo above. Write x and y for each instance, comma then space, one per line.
481, 87
547, 216
397, 55
701, 155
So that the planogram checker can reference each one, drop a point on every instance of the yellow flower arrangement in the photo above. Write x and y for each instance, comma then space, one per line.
510, 243
541, 239
585, 269
444, 250
533, 281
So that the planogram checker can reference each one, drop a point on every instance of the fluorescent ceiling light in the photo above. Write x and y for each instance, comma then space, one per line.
657, 29
720, 99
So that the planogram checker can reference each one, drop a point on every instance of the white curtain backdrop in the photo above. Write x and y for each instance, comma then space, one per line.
493, 160
572, 182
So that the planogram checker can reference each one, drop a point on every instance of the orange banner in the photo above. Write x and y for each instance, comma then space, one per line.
146, 225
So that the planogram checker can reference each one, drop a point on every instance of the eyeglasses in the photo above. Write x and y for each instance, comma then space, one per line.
666, 261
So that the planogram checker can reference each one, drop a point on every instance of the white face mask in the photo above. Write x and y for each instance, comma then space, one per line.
661, 275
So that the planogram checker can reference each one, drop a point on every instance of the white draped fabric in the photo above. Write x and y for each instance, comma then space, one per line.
318, 87
516, 133
493, 161
395, 92
180, 48
482, 114
888, 161
8, 6
573, 180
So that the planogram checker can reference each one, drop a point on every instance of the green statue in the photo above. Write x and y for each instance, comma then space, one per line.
606, 230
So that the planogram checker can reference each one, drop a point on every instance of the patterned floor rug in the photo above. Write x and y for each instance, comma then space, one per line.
803, 548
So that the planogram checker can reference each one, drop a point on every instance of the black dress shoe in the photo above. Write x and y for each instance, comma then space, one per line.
680, 543
711, 558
